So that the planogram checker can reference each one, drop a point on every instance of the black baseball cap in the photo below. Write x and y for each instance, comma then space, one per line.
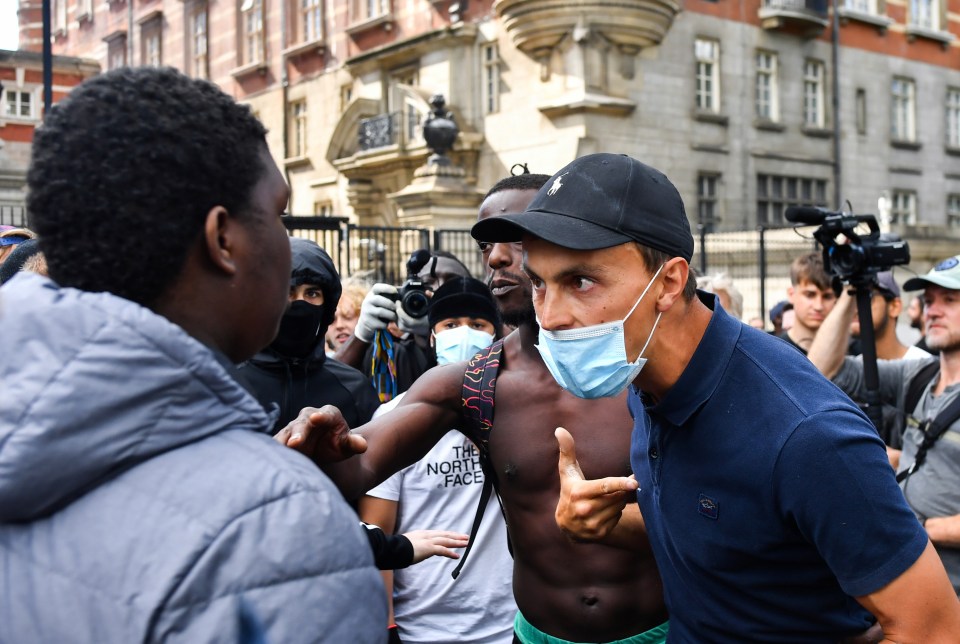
463, 296
599, 201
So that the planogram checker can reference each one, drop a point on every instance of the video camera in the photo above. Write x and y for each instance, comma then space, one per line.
862, 256
413, 293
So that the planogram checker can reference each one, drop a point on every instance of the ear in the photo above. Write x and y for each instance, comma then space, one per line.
219, 236
674, 274
895, 307
790, 292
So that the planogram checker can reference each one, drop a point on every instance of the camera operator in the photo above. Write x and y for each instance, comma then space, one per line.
929, 468
412, 354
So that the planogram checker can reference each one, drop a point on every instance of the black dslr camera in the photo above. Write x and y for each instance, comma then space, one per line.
413, 292
862, 256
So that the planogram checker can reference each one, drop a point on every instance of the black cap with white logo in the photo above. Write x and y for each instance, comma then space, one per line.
599, 201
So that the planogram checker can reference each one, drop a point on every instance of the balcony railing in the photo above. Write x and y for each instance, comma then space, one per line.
402, 127
379, 131
802, 17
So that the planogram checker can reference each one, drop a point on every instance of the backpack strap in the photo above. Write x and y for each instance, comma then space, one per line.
931, 429
477, 398
918, 383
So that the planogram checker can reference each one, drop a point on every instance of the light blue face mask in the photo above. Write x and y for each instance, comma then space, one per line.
459, 344
591, 362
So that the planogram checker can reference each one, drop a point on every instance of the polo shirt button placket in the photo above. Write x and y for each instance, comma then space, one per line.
655, 462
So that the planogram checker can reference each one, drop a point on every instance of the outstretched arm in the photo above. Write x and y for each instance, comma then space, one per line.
597, 510
830, 344
359, 459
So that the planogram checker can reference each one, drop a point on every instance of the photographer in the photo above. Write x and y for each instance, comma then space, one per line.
929, 467
411, 352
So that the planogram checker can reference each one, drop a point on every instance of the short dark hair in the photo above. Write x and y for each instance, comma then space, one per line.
124, 171
518, 182
653, 259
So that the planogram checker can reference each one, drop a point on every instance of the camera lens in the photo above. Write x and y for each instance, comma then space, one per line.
415, 304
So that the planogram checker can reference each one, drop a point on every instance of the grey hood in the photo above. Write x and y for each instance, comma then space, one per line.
67, 423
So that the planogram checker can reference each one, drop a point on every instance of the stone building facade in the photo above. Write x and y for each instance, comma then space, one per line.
733, 101
21, 108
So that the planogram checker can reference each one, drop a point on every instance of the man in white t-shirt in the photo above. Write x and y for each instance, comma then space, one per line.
443, 490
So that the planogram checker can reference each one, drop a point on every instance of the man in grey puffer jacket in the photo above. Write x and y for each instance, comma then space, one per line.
140, 499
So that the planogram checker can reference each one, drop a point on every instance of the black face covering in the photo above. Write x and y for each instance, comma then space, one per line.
300, 329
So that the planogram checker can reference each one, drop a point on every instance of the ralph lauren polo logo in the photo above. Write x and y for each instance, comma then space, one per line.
708, 507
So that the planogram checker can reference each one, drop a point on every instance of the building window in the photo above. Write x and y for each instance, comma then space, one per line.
813, 99
953, 117
766, 86
953, 211
298, 128
364, 10
707, 214
252, 19
151, 48
775, 193
323, 208
84, 10
708, 74
18, 104
861, 6
903, 207
199, 58
310, 20
925, 14
491, 78
116, 50
903, 126
346, 95
58, 14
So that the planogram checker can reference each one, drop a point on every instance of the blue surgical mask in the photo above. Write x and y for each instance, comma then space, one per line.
591, 362
459, 344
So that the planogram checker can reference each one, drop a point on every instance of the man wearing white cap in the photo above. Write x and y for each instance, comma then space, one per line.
929, 475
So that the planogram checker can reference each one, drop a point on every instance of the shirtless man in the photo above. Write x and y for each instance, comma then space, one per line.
570, 590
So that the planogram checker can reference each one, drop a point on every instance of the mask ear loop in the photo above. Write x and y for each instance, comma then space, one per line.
640, 299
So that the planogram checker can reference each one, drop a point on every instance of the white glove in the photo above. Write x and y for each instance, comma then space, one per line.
416, 326
376, 312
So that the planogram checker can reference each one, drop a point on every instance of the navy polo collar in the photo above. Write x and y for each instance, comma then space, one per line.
703, 373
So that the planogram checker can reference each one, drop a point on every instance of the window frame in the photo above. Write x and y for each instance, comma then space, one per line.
298, 128
252, 48
766, 103
903, 207
490, 77
776, 192
952, 109
199, 56
708, 199
19, 93
903, 112
814, 87
707, 75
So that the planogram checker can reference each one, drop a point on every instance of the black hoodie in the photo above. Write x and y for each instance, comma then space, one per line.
314, 381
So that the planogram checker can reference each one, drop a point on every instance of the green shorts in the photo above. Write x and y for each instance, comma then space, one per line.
526, 633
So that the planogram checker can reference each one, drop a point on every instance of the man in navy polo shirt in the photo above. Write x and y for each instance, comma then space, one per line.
766, 494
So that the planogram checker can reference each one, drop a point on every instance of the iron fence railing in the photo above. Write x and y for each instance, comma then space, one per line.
757, 261
13, 216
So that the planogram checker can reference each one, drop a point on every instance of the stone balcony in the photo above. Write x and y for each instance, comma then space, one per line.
805, 18
537, 26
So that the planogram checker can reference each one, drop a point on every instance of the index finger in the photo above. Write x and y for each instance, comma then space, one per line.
611, 485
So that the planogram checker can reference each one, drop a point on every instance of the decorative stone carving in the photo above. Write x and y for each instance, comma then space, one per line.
537, 26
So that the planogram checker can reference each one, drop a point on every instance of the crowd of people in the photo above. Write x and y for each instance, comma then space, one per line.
209, 434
